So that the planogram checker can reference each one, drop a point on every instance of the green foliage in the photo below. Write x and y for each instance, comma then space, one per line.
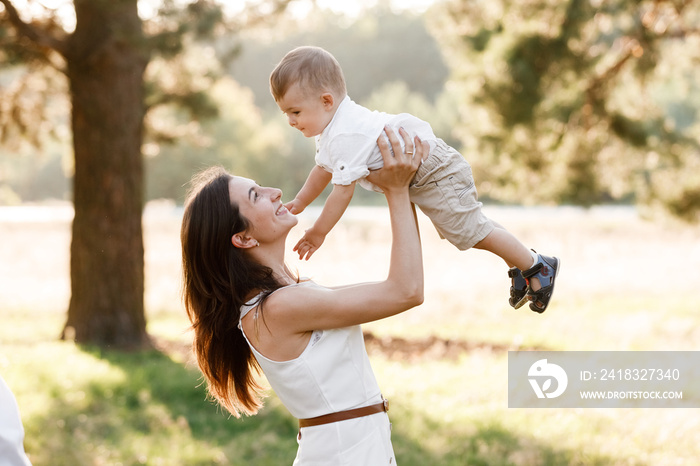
378, 48
577, 101
548, 89
251, 138
177, 25
396, 97
239, 140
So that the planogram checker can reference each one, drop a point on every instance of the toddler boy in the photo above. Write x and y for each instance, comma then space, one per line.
309, 87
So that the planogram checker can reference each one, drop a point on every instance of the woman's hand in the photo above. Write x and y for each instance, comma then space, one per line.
399, 164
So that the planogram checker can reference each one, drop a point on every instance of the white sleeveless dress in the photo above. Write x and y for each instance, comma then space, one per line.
332, 374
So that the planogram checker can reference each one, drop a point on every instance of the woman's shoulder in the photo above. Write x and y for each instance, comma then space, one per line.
290, 295
302, 282
286, 307
303, 285
255, 297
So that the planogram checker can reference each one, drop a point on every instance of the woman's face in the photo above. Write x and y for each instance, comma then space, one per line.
263, 207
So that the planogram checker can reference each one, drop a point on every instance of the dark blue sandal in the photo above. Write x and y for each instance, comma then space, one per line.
518, 288
545, 270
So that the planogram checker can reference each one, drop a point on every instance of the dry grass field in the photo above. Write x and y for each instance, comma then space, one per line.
625, 284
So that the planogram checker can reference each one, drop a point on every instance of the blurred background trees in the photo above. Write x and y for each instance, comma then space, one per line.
390, 60
579, 102
560, 102
98, 53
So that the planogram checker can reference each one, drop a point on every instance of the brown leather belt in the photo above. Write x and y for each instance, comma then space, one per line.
345, 415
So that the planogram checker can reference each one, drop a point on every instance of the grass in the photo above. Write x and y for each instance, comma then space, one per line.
625, 285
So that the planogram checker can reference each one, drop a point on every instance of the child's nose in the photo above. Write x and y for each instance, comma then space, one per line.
292, 121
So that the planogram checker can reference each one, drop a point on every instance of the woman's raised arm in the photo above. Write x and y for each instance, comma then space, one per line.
406, 265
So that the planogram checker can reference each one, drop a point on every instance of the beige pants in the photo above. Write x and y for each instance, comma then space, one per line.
444, 190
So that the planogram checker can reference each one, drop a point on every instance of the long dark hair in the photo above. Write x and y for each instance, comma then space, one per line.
218, 278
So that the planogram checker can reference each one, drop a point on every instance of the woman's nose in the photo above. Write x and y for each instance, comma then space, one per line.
274, 193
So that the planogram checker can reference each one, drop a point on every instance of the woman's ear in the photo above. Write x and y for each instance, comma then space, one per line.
241, 241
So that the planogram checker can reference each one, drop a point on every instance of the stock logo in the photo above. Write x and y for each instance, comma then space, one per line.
540, 376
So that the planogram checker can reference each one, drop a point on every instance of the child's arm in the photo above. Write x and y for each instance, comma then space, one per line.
315, 184
335, 206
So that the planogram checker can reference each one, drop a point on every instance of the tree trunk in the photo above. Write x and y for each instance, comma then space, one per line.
106, 63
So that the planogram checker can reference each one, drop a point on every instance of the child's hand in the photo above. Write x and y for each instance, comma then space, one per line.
309, 243
295, 206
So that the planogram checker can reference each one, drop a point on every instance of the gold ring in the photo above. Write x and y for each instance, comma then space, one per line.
409, 153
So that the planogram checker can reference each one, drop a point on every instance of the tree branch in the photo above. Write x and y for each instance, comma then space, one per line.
599, 81
633, 47
255, 17
34, 34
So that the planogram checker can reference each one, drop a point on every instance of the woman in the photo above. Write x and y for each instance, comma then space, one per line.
11, 430
250, 312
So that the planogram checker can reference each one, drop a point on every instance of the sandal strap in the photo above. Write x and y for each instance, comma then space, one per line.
547, 268
532, 271
543, 295
518, 289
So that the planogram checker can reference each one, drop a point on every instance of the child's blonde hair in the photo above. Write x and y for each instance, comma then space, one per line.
313, 68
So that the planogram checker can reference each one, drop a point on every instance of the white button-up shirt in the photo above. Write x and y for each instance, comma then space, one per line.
347, 147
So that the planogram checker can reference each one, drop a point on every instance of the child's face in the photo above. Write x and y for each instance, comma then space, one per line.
309, 112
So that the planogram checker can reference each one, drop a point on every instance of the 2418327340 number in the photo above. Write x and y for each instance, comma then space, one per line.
639, 374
